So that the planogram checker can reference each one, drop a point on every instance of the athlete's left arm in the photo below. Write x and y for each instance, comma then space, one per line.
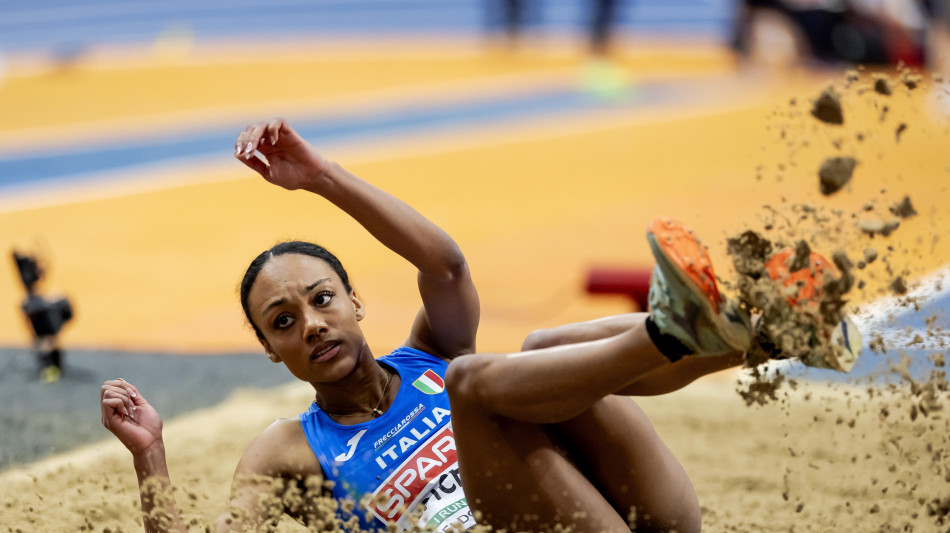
278, 459
447, 323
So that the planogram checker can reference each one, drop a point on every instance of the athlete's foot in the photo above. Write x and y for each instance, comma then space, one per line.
805, 329
684, 299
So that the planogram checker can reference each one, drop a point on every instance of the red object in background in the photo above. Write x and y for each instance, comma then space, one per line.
904, 50
631, 282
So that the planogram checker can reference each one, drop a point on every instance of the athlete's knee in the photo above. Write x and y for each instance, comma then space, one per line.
690, 521
465, 377
673, 512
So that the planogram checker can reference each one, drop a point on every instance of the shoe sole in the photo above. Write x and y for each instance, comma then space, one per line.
681, 252
685, 256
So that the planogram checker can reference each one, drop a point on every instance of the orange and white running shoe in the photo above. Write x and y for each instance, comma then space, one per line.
685, 301
836, 347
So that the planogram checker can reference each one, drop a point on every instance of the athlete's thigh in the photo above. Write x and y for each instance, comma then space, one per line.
516, 478
622, 455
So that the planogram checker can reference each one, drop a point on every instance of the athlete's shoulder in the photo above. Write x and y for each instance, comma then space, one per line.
280, 450
410, 354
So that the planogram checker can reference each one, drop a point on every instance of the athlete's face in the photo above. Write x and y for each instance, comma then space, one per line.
308, 320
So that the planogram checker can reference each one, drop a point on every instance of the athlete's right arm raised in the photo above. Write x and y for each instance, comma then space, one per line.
448, 320
277, 455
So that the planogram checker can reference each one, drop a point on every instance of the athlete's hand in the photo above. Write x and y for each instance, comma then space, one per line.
129, 416
289, 160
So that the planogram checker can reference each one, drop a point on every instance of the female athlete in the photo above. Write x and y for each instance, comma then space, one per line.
435, 436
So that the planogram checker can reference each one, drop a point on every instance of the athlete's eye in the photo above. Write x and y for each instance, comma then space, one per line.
283, 321
323, 298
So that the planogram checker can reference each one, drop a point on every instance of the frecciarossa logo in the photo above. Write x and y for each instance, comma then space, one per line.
403, 424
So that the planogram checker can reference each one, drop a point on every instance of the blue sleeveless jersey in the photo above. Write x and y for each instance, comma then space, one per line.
402, 467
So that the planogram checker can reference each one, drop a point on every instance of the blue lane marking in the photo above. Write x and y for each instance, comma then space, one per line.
33, 167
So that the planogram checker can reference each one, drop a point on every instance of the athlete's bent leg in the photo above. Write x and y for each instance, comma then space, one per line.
576, 332
516, 478
662, 380
557, 383
513, 471
515, 414
514, 468
615, 446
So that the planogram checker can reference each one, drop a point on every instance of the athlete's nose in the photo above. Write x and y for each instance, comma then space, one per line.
315, 326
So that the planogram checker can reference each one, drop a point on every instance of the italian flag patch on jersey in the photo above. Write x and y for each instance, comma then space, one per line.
429, 383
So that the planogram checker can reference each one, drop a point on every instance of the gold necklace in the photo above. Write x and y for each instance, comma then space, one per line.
375, 411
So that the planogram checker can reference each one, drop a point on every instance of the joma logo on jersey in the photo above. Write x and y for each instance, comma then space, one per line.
404, 487
407, 441
351, 447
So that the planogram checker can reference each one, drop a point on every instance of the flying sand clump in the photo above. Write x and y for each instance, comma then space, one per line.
915, 392
835, 173
790, 326
785, 314
827, 107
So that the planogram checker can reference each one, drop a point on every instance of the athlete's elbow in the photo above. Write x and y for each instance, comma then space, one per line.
448, 267
454, 264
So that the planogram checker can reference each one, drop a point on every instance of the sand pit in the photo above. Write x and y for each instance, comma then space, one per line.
818, 459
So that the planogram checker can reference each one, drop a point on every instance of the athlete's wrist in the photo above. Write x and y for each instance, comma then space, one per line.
324, 177
151, 457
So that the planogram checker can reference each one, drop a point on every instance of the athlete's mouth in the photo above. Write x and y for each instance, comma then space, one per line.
324, 352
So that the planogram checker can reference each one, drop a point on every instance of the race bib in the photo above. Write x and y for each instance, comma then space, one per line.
425, 490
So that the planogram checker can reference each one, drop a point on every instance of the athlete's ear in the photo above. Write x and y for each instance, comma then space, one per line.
357, 305
271, 354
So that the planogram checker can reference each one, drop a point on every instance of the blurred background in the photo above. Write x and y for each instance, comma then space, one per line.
863, 31
542, 134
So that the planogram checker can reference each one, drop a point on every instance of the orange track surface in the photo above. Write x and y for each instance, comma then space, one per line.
533, 204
